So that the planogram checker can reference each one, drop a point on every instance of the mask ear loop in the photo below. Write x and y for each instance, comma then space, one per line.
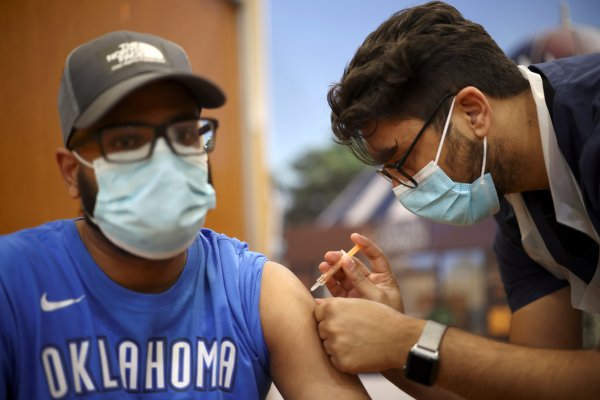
89, 165
481, 180
81, 160
445, 131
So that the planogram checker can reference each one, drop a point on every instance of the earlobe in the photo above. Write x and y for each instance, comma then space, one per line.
474, 104
68, 166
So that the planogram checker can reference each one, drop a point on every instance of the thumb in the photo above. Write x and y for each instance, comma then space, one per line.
359, 280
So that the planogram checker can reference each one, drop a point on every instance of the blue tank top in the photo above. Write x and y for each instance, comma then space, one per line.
68, 331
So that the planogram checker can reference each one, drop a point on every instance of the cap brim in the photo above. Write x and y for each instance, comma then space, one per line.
206, 94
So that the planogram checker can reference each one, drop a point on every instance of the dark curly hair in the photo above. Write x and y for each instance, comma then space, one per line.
408, 64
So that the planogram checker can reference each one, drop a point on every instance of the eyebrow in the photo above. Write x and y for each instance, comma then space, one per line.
185, 116
177, 118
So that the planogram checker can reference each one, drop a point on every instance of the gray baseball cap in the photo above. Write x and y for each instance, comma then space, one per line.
99, 73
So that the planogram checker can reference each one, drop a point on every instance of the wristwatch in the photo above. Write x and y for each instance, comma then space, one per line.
423, 358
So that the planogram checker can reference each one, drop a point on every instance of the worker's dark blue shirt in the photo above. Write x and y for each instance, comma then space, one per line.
572, 91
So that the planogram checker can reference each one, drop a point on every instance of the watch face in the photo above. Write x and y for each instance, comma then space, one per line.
421, 368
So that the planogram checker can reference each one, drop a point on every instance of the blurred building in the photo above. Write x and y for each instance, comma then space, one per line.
563, 41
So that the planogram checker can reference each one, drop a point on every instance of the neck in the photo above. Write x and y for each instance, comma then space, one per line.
128, 270
519, 121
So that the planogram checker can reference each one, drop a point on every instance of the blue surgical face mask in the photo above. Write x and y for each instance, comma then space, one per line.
155, 207
440, 199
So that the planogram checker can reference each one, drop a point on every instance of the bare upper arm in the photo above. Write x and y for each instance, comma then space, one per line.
299, 366
550, 322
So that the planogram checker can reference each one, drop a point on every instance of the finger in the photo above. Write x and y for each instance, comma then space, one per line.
339, 285
325, 266
346, 285
332, 256
321, 332
364, 269
335, 280
358, 280
337, 364
345, 282
335, 284
335, 289
319, 311
376, 257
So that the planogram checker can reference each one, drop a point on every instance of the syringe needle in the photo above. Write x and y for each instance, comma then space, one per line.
315, 286
325, 277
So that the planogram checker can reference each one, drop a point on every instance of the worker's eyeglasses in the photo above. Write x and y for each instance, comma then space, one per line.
135, 142
394, 172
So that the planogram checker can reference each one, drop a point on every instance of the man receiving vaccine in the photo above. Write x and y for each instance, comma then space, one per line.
136, 299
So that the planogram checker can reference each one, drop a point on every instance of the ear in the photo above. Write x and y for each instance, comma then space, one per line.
475, 107
69, 166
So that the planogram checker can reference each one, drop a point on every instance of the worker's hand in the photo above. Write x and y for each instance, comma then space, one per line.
354, 279
364, 336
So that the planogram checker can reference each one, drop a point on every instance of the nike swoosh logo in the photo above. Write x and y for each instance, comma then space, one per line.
48, 305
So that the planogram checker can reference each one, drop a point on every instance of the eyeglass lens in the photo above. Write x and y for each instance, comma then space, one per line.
398, 176
135, 142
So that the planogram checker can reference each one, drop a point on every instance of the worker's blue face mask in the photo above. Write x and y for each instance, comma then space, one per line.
155, 207
440, 199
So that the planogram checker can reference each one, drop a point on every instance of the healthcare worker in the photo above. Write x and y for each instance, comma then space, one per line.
462, 133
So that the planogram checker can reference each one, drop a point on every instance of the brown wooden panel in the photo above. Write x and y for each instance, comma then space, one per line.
36, 38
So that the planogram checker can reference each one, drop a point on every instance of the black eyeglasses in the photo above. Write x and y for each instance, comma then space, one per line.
136, 142
391, 171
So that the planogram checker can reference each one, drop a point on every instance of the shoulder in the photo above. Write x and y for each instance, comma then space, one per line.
35, 242
34, 260
37, 257
232, 267
570, 69
221, 242
48, 230
576, 85
276, 277
576, 94
283, 300
223, 249
292, 302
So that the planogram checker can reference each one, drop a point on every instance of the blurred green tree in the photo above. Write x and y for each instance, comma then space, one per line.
322, 174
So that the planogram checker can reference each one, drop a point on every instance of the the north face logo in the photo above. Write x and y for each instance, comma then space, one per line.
133, 52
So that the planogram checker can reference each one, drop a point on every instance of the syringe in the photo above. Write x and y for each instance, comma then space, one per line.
325, 277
